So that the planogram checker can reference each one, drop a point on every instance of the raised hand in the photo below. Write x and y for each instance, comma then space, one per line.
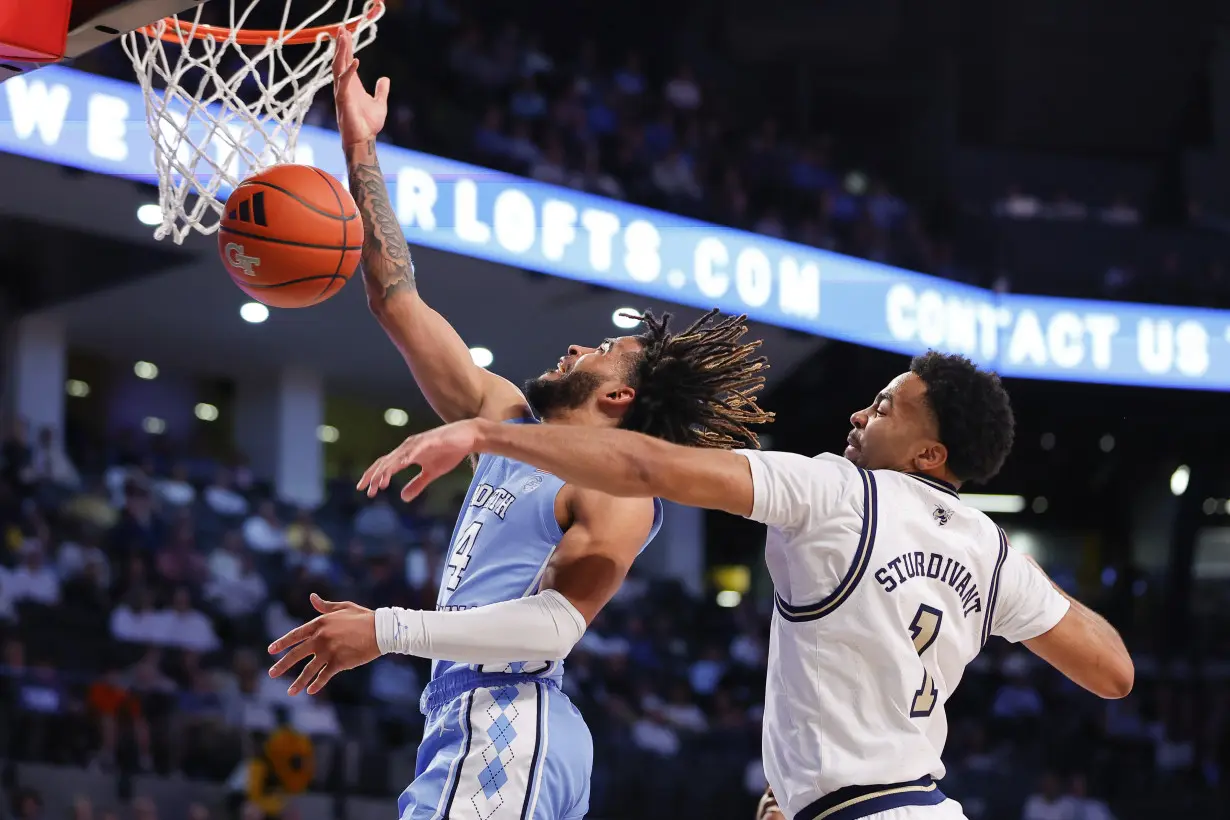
360, 116
342, 637
436, 452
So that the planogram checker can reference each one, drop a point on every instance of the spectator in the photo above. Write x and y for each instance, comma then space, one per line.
527, 102
226, 561
535, 60
75, 558
1016, 700
673, 177
706, 673
48, 463
550, 168
34, 579
220, 496
629, 80
92, 507
378, 519
681, 710
682, 90
184, 627
1083, 807
117, 711
305, 537
1048, 803
241, 595
176, 491
490, 141
522, 149
263, 532
652, 733
138, 531
593, 179
180, 563
135, 620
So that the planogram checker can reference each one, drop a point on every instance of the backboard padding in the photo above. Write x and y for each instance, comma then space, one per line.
96, 22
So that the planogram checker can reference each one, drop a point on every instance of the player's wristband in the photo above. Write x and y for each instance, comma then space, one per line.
398, 630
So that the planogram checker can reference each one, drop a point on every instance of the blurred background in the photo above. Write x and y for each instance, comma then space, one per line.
1045, 187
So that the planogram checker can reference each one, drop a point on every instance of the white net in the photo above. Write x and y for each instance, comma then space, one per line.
224, 102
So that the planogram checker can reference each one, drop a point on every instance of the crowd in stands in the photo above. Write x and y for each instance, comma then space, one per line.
507, 88
137, 595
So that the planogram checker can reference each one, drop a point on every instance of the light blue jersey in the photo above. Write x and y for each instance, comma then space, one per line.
502, 742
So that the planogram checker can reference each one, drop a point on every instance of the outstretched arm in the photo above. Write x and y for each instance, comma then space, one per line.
603, 536
455, 387
615, 462
622, 463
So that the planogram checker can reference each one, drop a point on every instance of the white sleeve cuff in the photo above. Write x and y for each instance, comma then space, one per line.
539, 627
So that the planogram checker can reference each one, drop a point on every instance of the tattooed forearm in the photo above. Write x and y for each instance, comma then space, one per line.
387, 267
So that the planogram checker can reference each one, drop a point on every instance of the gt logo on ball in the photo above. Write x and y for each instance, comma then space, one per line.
236, 256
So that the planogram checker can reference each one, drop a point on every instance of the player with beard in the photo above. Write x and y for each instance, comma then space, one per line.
532, 559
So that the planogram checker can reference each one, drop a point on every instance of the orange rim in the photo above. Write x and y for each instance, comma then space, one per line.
176, 30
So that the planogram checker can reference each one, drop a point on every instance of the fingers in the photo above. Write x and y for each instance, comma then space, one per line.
415, 486
325, 607
291, 658
321, 679
296, 635
376, 477
349, 72
307, 676
366, 478
382, 90
343, 54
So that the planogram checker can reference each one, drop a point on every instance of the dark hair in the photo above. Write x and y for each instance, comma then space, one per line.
697, 387
972, 411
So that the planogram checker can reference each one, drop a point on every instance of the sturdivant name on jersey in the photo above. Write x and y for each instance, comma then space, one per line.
911, 565
492, 499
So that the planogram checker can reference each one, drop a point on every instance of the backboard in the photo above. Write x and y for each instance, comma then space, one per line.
93, 23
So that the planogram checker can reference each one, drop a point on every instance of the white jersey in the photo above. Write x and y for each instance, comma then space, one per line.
887, 586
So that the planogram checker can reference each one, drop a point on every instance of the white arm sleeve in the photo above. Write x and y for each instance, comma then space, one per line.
788, 489
1027, 604
539, 627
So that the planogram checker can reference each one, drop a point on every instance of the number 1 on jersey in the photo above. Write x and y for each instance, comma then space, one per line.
460, 559
924, 629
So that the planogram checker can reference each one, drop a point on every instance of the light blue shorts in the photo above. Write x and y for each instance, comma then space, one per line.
499, 747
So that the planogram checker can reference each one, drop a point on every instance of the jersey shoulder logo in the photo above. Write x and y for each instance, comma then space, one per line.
941, 515
532, 483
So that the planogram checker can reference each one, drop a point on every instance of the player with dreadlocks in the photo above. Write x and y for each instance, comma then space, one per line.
533, 559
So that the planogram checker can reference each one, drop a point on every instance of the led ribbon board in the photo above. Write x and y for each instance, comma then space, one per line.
97, 124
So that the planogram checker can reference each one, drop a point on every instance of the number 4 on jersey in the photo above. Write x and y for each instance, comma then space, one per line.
924, 629
460, 559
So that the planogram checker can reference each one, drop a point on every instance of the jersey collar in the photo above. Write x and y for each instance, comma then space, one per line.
936, 483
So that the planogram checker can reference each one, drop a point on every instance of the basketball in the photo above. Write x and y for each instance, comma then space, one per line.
290, 236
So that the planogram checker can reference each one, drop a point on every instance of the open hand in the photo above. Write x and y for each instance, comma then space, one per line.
342, 637
436, 452
360, 116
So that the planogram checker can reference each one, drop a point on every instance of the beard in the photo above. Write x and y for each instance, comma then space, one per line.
548, 397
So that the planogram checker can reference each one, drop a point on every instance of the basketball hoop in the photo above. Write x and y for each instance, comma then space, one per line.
231, 102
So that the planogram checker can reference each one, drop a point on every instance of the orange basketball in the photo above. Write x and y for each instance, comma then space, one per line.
290, 236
